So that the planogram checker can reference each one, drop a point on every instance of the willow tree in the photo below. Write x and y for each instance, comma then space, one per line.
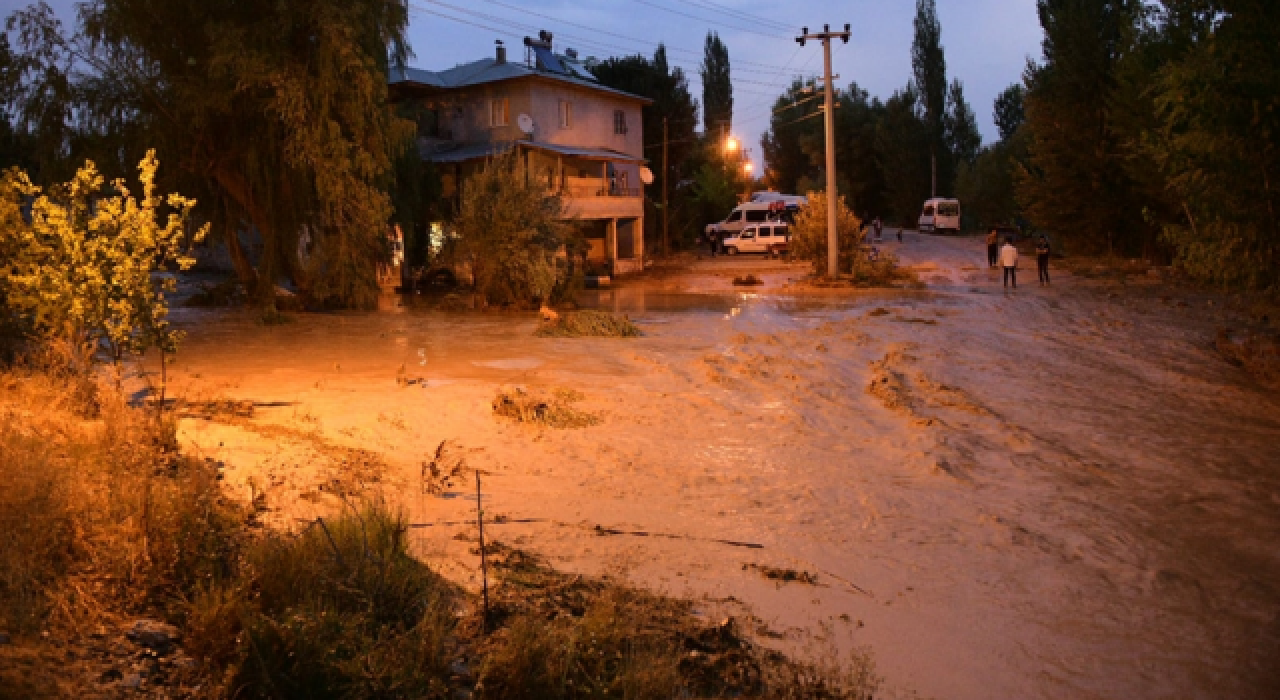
276, 114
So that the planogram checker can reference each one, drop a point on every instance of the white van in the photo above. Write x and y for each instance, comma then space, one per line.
940, 215
749, 213
769, 238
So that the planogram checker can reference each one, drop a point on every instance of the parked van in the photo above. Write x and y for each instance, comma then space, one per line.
769, 238
749, 213
940, 215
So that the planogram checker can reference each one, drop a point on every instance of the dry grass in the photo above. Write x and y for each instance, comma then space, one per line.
554, 410
588, 323
105, 520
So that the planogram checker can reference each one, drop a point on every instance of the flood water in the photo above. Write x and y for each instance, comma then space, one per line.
1054, 494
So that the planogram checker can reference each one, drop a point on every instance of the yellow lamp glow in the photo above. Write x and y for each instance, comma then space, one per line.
731, 144
747, 167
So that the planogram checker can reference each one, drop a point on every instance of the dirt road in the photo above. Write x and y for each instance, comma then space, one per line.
1047, 493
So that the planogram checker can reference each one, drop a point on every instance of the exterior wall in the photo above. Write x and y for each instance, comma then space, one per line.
592, 125
464, 117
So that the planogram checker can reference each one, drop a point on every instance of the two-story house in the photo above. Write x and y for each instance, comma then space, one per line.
583, 138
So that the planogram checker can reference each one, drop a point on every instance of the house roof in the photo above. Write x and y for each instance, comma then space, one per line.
488, 70
488, 150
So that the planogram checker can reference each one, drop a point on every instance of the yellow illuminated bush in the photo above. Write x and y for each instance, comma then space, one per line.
82, 260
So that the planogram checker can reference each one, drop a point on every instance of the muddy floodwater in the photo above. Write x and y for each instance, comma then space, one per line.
1052, 493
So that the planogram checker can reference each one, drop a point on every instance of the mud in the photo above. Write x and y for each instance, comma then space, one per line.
1054, 492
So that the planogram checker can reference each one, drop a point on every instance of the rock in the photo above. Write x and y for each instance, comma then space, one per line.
132, 680
153, 635
548, 314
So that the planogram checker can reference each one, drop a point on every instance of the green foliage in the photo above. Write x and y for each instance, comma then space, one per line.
809, 235
1009, 113
902, 148
1218, 107
510, 230
987, 187
588, 323
279, 113
83, 268
929, 71
1077, 184
717, 86
963, 138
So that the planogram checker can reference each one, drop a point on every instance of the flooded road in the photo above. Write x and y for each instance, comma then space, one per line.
1052, 493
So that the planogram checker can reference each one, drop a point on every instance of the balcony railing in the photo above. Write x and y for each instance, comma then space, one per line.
601, 190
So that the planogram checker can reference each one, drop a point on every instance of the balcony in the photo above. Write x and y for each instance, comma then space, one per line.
598, 189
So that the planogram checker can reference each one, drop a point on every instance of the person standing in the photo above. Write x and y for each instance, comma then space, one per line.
1042, 260
879, 225
1009, 260
993, 248
899, 233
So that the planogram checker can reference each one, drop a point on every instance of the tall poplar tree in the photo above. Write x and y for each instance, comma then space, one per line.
929, 76
717, 87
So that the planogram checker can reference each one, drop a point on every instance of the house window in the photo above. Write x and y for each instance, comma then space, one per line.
566, 114
619, 122
499, 112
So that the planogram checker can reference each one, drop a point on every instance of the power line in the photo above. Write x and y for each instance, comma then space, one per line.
717, 7
643, 42
704, 19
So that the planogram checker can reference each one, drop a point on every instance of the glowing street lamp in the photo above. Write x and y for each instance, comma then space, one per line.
747, 167
731, 145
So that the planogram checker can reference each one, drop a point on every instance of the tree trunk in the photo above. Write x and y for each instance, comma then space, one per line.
236, 188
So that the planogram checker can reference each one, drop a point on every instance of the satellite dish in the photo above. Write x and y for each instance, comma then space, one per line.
646, 175
525, 122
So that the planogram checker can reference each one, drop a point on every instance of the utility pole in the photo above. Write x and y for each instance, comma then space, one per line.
666, 251
826, 35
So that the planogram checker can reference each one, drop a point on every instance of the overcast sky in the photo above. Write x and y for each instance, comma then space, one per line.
987, 42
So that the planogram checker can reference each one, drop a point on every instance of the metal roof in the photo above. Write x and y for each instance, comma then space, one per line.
488, 150
488, 70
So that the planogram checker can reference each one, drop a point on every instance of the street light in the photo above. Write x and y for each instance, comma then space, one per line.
747, 167
731, 145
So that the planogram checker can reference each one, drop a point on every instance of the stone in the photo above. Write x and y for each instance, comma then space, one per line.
153, 634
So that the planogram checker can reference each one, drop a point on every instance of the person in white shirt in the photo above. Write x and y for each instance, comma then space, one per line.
1009, 261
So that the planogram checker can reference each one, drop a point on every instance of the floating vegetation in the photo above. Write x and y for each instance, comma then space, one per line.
588, 324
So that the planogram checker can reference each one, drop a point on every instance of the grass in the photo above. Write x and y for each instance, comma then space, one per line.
105, 521
554, 410
588, 323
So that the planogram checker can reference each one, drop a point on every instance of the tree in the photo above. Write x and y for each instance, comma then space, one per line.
1008, 112
276, 115
793, 127
929, 71
963, 138
1218, 111
717, 87
510, 229
902, 150
1076, 184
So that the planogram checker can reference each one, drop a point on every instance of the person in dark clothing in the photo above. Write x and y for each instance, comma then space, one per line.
899, 234
1042, 260
993, 248
711, 243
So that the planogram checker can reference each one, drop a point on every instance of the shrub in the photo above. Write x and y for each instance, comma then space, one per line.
81, 265
809, 235
510, 230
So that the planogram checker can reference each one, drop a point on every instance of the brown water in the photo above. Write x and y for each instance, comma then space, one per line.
1055, 493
